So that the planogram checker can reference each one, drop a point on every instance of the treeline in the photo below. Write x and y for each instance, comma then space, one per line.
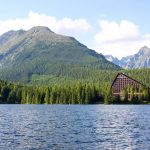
67, 90
77, 93
129, 95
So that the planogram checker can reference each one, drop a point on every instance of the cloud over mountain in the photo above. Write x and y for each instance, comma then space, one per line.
112, 31
63, 26
119, 39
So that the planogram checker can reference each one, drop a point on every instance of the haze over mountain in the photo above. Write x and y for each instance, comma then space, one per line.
115, 60
41, 52
138, 60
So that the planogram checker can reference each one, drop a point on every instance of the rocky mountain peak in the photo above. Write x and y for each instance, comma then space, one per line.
40, 29
144, 50
139, 60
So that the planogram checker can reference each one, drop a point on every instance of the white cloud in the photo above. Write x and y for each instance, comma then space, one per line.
64, 26
111, 31
120, 39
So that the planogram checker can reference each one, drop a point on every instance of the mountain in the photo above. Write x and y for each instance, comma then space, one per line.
39, 53
115, 60
138, 60
10, 35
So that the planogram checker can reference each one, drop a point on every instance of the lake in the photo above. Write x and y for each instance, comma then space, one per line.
74, 127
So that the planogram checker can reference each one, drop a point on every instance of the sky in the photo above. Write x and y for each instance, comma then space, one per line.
116, 27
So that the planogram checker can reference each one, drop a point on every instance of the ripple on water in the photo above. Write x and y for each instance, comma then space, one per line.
74, 127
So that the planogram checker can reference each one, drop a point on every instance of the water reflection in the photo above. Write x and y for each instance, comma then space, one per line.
74, 127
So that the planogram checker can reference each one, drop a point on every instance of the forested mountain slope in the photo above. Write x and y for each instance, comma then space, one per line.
40, 54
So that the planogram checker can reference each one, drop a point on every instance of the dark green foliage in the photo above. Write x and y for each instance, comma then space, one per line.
131, 95
72, 93
109, 97
5, 92
117, 100
77, 93
12, 97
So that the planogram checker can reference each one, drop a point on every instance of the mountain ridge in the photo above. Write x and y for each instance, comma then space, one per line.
40, 51
139, 60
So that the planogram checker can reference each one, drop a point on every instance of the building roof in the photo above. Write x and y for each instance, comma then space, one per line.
121, 73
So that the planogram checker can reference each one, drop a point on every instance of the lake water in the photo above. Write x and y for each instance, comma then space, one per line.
74, 127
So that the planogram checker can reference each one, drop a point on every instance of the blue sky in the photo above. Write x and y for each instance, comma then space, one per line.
117, 27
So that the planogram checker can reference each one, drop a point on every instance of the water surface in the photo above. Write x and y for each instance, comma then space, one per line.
74, 127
